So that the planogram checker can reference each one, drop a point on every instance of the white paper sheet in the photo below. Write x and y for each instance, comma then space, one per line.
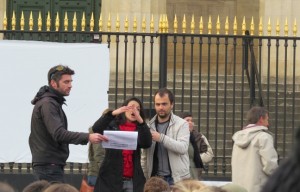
121, 140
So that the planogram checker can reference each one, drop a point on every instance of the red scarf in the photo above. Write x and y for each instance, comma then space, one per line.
128, 154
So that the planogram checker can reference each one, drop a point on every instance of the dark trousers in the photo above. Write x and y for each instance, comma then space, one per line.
50, 172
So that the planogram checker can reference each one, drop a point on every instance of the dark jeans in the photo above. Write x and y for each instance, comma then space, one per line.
50, 172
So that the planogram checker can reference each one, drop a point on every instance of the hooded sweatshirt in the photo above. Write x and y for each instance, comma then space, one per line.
254, 157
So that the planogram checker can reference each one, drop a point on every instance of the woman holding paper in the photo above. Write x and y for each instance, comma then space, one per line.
121, 169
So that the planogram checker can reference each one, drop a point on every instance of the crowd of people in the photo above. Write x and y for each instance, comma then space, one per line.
170, 153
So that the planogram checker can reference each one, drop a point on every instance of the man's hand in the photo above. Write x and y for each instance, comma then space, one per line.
155, 136
97, 138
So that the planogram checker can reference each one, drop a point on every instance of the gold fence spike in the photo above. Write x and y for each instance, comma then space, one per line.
295, 29
30, 22
40, 22
152, 24
92, 22
134, 24
126, 25
100, 22
175, 24
22, 21
193, 25
226, 26
252, 27
48, 22
244, 26
269, 28
4, 21
260, 27
183, 24
218, 26
57, 22
83, 22
277, 28
286, 28
209, 25
118, 23
74, 21
235, 26
160, 24
13, 21
66, 22
201, 25
166, 24
144, 24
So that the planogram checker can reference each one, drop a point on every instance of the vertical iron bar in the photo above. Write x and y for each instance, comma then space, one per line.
268, 73
125, 66
174, 64
200, 83
294, 89
234, 85
252, 73
117, 71
143, 68
284, 98
225, 108
183, 71
151, 75
244, 59
217, 95
191, 76
163, 52
276, 93
134, 65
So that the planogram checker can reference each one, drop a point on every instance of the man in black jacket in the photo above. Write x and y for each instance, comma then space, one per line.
49, 138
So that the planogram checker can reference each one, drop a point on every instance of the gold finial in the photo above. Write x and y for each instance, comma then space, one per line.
13, 21
209, 25
92, 22
235, 26
286, 28
166, 24
193, 25
134, 24
183, 24
152, 24
252, 27
57, 22
260, 28
83, 22
163, 23
160, 24
175, 24
118, 23
126, 24
30, 22
269, 29
66, 22
109, 23
100, 22
201, 25
40, 22
144, 24
218, 26
226, 26
74, 21
22, 21
244, 26
48, 22
277, 27
4, 21
295, 28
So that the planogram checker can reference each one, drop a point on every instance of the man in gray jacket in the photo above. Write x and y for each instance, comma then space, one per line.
168, 156
254, 157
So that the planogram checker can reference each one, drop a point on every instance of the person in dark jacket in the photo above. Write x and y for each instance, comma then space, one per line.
121, 169
49, 138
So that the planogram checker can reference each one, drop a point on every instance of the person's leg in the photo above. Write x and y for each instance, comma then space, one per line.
169, 179
127, 186
50, 173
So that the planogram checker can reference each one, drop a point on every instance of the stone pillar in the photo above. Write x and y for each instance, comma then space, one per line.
281, 11
131, 9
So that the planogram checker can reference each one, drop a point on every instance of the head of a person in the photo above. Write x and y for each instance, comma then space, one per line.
258, 115
129, 115
188, 185
156, 184
163, 103
37, 186
60, 79
5, 187
61, 187
189, 118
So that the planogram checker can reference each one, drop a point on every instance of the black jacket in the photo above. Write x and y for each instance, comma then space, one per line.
49, 138
110, 177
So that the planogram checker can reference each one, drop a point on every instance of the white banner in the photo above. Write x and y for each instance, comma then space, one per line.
23, 70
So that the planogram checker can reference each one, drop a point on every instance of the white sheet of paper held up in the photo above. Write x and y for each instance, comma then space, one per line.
120, 140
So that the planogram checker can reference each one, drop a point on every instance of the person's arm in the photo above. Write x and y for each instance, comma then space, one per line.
269, 157
102, 123
208, 155
144, 135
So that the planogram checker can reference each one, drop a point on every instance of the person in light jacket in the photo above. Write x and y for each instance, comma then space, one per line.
254, 157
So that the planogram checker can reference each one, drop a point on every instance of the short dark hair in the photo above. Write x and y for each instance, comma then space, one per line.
37, 186
57, 71
164, 91
184, 114
255, 113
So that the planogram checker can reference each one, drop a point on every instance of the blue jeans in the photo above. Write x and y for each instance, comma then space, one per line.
51, 173
91, 180
169, 179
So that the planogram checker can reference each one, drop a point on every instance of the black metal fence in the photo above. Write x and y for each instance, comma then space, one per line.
216, 77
